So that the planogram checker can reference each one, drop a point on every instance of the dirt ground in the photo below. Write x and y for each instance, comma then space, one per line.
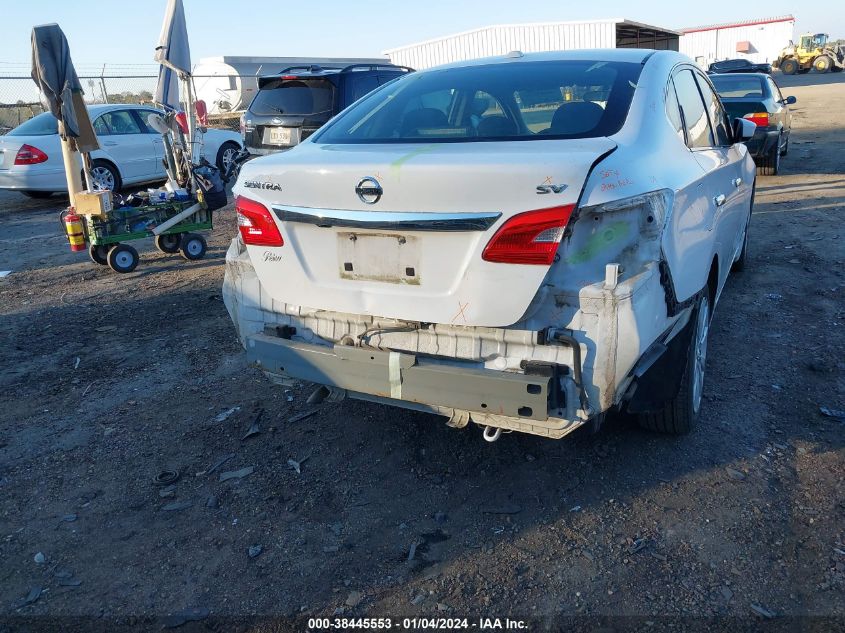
361, 510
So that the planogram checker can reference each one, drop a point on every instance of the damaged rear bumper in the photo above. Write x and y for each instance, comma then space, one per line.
459, 390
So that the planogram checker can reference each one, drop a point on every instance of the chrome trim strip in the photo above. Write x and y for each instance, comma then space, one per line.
384, 220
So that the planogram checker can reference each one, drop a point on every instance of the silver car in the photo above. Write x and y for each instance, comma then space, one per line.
131, 152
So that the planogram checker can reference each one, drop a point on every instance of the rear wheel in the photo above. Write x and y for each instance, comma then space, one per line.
822, 64
225, 155
769, 165
123, 258
679, 415
169, 243
739, 264
789, 66
193, 246
785, 147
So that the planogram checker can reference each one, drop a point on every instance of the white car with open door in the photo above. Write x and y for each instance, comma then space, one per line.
524, 242
131, 151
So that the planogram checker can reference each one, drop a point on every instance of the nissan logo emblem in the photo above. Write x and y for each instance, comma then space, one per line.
368, 190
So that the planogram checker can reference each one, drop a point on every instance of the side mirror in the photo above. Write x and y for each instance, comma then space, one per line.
790, 100
743, 130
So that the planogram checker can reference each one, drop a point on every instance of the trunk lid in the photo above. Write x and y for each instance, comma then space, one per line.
9, 146
370, 259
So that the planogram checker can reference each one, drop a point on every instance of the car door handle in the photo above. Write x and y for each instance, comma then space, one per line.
737, 182
720, 199
110, 143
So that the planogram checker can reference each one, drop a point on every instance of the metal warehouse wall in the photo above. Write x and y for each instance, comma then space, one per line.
711, 45
499, 40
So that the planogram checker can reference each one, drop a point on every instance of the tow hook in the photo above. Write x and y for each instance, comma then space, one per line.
491, 434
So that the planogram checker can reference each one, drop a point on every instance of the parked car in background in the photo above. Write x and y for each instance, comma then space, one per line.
756, 97
739, 66
293, 104
525, 242
131, 152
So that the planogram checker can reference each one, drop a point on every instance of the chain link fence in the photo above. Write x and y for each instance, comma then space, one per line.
20, 99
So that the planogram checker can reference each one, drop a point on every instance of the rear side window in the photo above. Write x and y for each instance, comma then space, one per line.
501, 101
117, 123
358, 85
718, 118
294, 97
696, 121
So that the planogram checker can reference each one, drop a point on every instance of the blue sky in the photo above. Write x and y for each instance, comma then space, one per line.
124, 33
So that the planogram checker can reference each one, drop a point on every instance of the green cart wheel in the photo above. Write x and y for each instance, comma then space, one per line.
99, 253
123, 258
193, 246
169, 243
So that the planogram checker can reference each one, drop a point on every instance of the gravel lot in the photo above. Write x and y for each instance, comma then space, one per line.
363, 510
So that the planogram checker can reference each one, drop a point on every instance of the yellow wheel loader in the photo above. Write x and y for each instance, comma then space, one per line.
812, 53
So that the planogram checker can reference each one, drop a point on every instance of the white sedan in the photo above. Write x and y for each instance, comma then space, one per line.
131, 152
526, 242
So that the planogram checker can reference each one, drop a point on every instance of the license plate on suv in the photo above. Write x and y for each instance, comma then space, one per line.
278, 136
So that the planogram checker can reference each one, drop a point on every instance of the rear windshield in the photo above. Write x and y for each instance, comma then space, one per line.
294, 96
496, 102
737, 86
41, 125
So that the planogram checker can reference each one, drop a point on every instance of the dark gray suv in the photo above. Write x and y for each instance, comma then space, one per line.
293, 104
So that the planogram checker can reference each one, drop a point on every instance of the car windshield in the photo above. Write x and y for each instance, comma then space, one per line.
294, 97
732, 86
41, 125
495, 102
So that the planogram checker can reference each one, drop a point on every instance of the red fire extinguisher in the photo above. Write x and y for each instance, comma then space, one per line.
74, 230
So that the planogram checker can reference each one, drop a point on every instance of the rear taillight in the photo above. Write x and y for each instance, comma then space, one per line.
256, 224
182, 122
289, 77
529, 238
761, 119
29, 155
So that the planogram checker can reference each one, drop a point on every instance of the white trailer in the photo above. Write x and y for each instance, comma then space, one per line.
531, 38
759, 40
228, 83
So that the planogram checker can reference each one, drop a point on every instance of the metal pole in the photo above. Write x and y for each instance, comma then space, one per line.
73, 167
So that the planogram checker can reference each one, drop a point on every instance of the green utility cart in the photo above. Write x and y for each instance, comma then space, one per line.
108, 232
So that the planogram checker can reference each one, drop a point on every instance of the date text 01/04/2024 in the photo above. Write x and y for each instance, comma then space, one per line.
416, 623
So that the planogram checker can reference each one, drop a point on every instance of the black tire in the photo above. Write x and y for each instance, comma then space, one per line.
789, 67
679, 415
37, 195
741, 261
123, 258
785, 149
822, 64
104, 175
99, 254
769, 165
169, 243
226, 154
193, 246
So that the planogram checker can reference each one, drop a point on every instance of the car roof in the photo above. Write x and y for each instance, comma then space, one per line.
99, 108
632, 55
